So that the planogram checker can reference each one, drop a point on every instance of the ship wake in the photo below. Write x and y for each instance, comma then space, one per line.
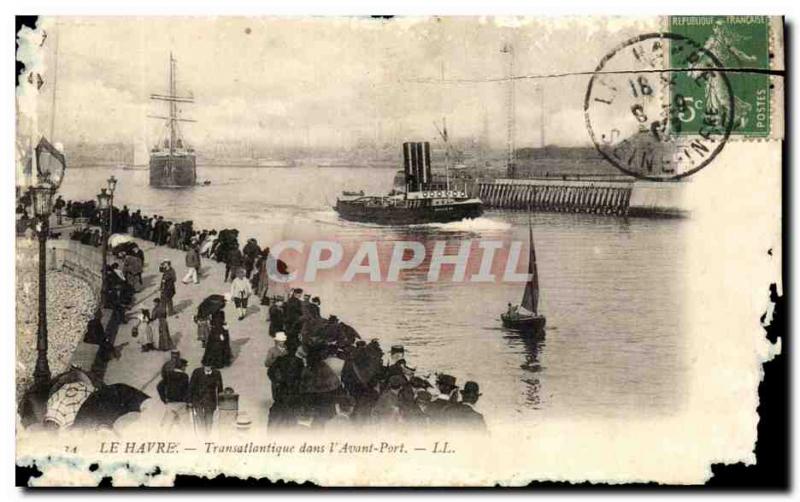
480, 224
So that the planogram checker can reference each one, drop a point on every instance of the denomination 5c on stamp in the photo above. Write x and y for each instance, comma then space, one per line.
741, 45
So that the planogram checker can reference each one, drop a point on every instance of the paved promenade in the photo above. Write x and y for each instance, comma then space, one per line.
249, 337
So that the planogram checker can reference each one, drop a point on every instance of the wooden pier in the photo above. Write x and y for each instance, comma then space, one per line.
624, 197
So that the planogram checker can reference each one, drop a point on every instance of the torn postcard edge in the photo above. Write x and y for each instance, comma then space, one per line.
665, 106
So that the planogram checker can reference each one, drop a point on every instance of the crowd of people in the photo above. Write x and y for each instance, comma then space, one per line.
322, 374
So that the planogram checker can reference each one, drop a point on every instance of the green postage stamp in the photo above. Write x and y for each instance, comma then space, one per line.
740, 44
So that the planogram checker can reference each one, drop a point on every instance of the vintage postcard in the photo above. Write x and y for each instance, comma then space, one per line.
408, 251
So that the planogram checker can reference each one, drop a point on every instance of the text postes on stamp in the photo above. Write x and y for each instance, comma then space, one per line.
741, 45
631, 108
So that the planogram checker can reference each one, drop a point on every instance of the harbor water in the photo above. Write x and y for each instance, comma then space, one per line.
610, 289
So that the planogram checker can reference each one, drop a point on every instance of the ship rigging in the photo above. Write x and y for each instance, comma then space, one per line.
172, 162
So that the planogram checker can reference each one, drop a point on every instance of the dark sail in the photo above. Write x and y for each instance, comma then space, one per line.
530, 298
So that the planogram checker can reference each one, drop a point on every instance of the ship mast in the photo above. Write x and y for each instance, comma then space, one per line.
173, 99
443, 134
172, 106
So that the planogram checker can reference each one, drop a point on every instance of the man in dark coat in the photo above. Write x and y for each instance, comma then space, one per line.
294, 308
387, 407
132, 269
174, 384
314, 308
168, 279
397, 366
276, 318
463, 415
137, 252
285, 375
171, 364
233, 261
204, 389
448, 396
250, 253
124, 219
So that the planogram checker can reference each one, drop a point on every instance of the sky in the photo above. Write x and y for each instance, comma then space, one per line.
325, 82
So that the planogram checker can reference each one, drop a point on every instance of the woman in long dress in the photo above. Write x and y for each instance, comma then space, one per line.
218, 347
164, 340
144, 331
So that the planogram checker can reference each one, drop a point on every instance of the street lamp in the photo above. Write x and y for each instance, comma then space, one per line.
42, 196
103, 204
112, 184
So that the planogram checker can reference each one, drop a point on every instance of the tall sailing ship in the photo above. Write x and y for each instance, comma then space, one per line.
172, 161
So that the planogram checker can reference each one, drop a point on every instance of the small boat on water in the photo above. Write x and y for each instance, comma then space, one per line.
526, 318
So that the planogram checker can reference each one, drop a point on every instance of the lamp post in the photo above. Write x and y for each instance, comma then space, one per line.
104, 203
112, 185
42, 208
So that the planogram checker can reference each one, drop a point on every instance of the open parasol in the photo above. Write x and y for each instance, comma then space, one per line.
106, 405
318, 332
63, 405
118, 239
212, 304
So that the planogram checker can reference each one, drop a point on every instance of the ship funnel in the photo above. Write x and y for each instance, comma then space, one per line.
417, 165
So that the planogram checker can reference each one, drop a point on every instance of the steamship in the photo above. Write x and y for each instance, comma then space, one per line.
420, 199
172, 162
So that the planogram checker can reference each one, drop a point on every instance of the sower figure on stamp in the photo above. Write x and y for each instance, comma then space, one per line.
204, 389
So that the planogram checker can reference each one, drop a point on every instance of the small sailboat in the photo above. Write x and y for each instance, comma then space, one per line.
526, 318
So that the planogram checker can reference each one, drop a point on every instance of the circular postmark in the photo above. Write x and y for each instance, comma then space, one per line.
659, 107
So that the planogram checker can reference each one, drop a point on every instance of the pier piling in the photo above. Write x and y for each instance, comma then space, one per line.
563, 196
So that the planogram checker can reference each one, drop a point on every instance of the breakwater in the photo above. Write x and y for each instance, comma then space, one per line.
606, 197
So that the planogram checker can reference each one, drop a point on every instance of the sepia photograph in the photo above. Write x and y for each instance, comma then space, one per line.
395, 250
